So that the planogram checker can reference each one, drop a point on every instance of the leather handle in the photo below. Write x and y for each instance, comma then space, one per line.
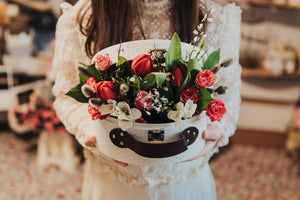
123, 139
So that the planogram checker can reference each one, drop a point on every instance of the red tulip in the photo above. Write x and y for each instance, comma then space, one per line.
179, 74
142, 65
107, 90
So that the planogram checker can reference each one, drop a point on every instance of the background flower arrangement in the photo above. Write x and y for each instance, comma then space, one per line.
159, 86
39, 112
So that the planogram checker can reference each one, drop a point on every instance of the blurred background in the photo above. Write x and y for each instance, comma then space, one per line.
263, 158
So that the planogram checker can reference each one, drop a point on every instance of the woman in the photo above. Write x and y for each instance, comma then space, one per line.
92, 25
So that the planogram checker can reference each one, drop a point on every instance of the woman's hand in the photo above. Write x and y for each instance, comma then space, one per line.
211, 136
91, 140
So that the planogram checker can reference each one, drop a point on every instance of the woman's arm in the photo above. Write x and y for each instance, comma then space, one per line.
229, 43
67, 55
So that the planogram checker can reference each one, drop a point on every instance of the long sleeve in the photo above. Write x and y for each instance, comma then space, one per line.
68, 53
229, 43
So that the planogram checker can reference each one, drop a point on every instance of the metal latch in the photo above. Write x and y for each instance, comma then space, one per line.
156, 135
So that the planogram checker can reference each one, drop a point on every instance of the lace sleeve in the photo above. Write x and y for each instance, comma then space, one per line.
229, 43
68, 53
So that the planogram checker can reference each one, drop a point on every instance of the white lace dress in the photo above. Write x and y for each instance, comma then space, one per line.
105, 179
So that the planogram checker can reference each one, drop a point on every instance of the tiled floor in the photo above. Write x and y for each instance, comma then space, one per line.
241, 173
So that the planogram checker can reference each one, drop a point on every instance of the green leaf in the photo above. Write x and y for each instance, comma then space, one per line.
124, 67
83, 78
121, 60
174, 54
205, 100
77, 94
193, 73
152, 79
187, 80
94, 72
201, 46
83, 64
193, 64
212, 60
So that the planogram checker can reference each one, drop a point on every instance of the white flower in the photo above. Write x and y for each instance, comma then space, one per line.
189, 109
177, 115
182, 112
109, 108
126, 115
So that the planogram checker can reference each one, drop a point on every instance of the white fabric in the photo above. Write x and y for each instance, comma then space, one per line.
57, 149
223, 33
104, 184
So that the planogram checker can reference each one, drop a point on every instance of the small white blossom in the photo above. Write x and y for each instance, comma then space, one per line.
195, 32
196, 39
199, 27
132, 79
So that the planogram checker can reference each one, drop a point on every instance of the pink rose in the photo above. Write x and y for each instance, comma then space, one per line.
190, 93
103, 62
179, 74
143, 101
107, 90
92, 81
94, 112
142, 65
205, 79
215, 110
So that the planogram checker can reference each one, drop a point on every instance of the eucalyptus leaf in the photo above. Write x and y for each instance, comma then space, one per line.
205, 99
174, 54
152, 79
77, 94
212, 60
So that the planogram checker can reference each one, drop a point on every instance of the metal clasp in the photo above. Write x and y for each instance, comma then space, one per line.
156, 135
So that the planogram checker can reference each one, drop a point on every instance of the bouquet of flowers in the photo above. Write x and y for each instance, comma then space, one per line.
39, 114
158, 86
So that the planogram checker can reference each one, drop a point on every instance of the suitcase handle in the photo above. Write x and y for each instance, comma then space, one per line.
123, 139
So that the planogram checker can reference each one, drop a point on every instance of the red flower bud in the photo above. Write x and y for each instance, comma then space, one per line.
142, 101
94, 112
205, 79
106, 90
215, 110
92, 81
142, 65
190, 93
179, 74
